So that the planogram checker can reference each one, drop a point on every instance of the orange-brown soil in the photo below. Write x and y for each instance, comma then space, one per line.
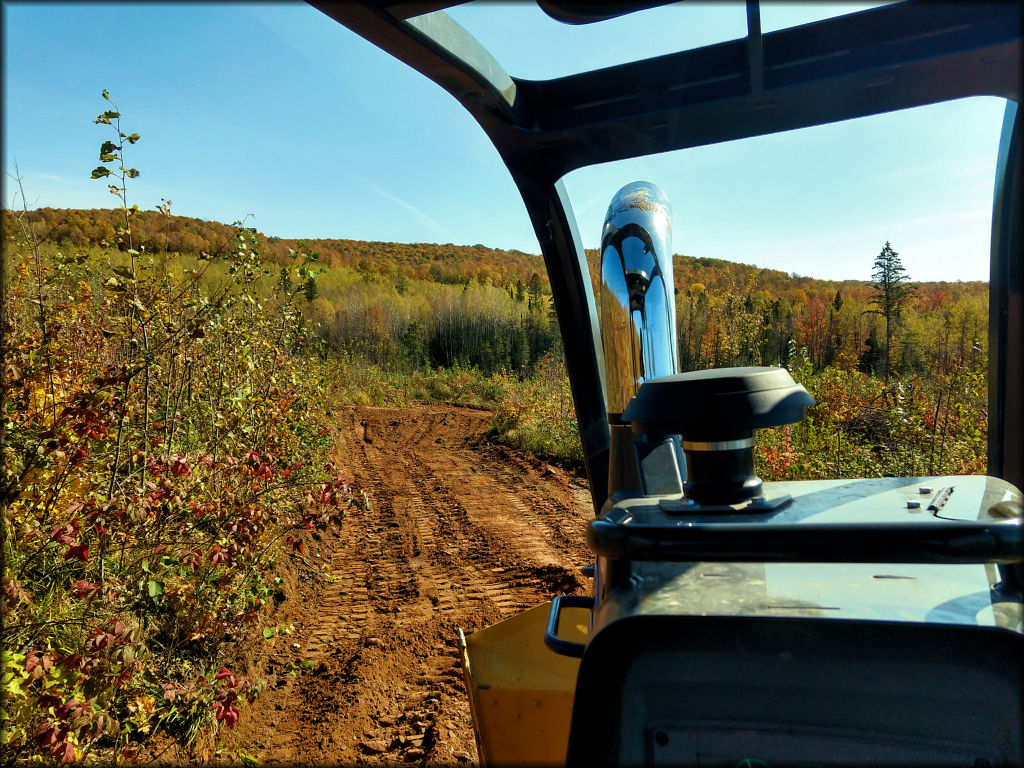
459, 533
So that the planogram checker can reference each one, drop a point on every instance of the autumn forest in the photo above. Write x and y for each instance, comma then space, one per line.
170, 396
408, 306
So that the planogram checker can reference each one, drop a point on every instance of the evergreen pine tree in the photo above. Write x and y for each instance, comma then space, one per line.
892, 291
309, 290
533, 291
284, 281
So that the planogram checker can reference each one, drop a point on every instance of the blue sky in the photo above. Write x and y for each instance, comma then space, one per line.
278, 111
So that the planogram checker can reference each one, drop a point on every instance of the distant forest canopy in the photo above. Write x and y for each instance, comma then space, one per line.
440, 263
410, 305
156, 232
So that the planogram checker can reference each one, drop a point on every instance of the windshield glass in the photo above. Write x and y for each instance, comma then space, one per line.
530, 44
821, 201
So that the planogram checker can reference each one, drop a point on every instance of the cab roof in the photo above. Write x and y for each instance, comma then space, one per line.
892, 57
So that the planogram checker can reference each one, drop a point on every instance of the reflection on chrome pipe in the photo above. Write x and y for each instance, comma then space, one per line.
638, 308
638, 316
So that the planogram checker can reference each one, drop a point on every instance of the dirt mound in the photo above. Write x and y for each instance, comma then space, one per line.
460, 533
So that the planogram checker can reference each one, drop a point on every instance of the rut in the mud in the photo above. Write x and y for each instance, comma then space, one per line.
460, 533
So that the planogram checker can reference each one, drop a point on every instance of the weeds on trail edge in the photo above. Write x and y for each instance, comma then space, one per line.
163, 442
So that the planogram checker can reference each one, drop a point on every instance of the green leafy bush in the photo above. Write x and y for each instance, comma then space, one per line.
165, 438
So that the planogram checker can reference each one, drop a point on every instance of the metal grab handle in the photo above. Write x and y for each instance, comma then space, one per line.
978, 541
551, 638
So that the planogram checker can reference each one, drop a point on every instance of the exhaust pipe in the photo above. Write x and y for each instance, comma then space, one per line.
638, 329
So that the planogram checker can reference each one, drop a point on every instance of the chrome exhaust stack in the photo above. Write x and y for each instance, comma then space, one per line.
638, 329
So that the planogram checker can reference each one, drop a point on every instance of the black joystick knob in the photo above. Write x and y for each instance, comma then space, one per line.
716, 412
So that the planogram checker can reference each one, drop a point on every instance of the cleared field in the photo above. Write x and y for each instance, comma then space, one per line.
460, 533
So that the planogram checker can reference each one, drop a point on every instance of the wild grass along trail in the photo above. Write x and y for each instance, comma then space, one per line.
459, 533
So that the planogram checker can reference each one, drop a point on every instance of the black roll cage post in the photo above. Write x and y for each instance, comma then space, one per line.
888, 58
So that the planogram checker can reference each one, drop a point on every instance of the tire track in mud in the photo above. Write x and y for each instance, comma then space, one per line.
459, 533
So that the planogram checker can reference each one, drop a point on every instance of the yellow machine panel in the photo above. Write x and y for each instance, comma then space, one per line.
520, 691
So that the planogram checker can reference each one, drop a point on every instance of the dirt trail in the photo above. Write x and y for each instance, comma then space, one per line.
460, 533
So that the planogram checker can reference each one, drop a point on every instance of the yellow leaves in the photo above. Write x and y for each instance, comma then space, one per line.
143, 709
40, 399
32, 482
19, 705
14, 676
79, 487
